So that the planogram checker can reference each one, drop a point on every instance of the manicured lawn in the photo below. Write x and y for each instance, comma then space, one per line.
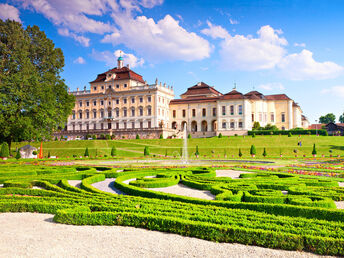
211, 147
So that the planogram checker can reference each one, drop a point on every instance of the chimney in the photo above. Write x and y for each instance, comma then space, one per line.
128, 66
77, 89
156, 81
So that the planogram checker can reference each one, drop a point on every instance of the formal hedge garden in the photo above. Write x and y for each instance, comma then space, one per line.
252, 210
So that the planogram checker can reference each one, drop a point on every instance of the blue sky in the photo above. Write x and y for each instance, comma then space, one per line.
292, 47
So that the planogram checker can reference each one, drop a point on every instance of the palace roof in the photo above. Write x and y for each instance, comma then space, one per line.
201, 89
234, 94
277, 97
121, 73
194, 100
254, 95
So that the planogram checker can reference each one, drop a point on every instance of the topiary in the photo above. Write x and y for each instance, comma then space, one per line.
18, 156
253, 150
220, 135
137, 137
314, 151
189, 136
49, 154
325, 133
146, 151
5, 152
289, 134
264, 153
108, 137
86, 152
56, 138
197, 152
161, 137
94, 137
113, 151
240, 153
253, 135
166, 153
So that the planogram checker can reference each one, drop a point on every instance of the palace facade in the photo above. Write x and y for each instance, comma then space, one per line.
120, 103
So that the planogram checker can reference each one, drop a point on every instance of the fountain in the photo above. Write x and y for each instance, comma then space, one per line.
185, 147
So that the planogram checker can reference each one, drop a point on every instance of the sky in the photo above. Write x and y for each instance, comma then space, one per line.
291, 47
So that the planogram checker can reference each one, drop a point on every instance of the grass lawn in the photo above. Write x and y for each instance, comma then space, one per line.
211, 147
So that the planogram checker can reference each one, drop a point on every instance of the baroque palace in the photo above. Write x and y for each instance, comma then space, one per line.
120, 103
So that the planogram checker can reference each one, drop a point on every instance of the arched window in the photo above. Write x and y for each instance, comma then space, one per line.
141, 111
149, 111
132, 111
124, 112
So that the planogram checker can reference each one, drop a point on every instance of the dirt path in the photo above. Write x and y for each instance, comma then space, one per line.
230, 173
35, 235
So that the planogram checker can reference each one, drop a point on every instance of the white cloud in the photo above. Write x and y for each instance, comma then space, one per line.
79, 60
302, 66
249, 53
272, 86
84, 41
9, 12
300, 45
335, 90
110, 58
215, 31
232, 21
162, 40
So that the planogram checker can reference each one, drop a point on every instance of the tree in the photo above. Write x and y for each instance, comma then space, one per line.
4, 150
264, 153
197, 152
256, 126
18, 156
189, 136
341, 118
86, 152
137, 137
253, 150
240, 153
271, 127
113, 151
146, 151
329, 118
34, 101
220, 135
314, 151
161, 137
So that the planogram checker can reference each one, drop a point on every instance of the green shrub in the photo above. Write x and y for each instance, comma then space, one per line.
137, 137
253, 150
314, 151
240, 153
161, 137
94, 137
146, 151
34, 153
196, 152
253, 135
102, 136
113, 151
220, 135
166, 153
5, 152
49, 154
289, 134
86, 152
18, 156
108, 137
264, 153
326, 133
189, 136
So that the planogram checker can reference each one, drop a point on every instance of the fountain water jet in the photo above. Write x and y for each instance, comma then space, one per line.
185, 155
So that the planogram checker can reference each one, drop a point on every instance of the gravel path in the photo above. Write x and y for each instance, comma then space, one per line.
341, 184
75, 183
230, 173
183, 190
35, 235
340, 205
107, 186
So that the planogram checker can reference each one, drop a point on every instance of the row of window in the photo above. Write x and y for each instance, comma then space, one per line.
204, 111
103, 126
116, 102
231, 125
232, 110
117, 113
272, 117
109, 86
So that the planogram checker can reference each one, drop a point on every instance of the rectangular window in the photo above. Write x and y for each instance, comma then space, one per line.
109, 125
94, 114
102, 126
80, 115
80, 127
149, 124
109, 86
124, 101
240, 110
149, 111
117, 86
102, 114
117, 112
87, 103
133, 112
240, 124
283, 118
124, 112
223, 110
252, 117
109, 114
272, 118
204, 112
141, 111
125, 85
117, 101
117, 125
94, 103
80, 103
133, 100
149, 98
94, 88
193, 112
73, 127
102, 103
141, 99
232, 110
87, 115
223, 125
73, 116
94, 126
132, 124
174, 113
232, 125
102, 87
184, 113
141, 125
214, 111
260, 117
87, 127
125, 125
